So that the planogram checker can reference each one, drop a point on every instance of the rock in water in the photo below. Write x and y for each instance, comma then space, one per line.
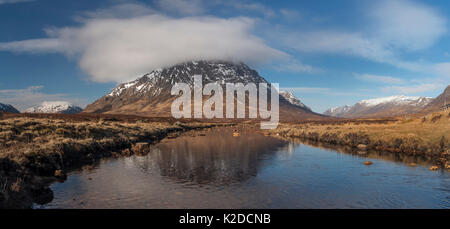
434, 168
60, 174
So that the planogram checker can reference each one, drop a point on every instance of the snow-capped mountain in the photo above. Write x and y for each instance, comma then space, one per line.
399, 100
381, 107
157, 81
337, 111
293, 100
8, 108
150, 95
60, 107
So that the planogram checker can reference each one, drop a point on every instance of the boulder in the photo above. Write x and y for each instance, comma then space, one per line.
42, 196
126, 153
362, 147
60, 174
141, 148
434, 168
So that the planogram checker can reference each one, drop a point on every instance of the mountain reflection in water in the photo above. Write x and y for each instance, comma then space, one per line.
213, 169
217, 157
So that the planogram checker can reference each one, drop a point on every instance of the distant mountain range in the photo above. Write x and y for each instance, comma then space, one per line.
8, 108
391, 106
60, 107
150, 95
381, 107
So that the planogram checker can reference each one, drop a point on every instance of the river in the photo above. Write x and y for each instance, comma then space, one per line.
213, 169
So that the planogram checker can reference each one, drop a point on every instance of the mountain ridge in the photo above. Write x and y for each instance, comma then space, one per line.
381, 107
59, 107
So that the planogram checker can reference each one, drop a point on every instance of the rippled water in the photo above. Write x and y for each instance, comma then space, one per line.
251, 171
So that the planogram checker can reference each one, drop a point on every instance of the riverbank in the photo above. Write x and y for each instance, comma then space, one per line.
36, 151
426, 136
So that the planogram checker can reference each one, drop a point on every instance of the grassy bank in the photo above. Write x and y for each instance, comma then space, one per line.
36, 151
427, 136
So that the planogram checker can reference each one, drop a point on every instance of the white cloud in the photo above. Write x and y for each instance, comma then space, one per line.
13, 1
31, 96
407, 24
125, 10
198, 7
290, 14
118, 49
337, 42
396, 27
443, 69
46, 45
413, 89
326, 91
379, 79
251, 6
291, 65
184, 7
311, 90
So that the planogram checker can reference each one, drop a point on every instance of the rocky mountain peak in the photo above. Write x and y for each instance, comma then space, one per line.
162, 80
290, 97
149, 95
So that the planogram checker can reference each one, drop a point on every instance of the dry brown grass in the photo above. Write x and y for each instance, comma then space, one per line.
31, 147
22, 137
30, 133
428, 135
43, 146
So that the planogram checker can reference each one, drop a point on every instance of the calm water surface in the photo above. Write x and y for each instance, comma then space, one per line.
251, 171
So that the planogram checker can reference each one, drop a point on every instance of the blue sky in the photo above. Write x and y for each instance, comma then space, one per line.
329, 53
